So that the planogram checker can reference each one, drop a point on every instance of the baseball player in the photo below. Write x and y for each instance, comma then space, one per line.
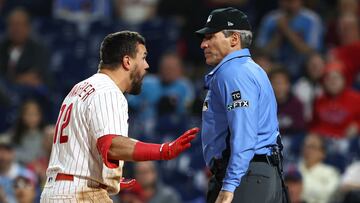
90, 141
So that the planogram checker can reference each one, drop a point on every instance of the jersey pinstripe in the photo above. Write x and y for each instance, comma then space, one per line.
94, 107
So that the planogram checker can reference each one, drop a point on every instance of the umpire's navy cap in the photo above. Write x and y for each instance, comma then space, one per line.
225, 19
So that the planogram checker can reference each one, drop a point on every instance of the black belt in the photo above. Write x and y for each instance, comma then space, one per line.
261, 158
221, 164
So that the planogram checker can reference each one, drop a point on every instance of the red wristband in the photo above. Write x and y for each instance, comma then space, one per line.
146, 151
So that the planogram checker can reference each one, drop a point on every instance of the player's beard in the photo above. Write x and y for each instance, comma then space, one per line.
136, 81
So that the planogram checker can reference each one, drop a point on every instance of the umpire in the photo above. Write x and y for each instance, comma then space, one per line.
240, 136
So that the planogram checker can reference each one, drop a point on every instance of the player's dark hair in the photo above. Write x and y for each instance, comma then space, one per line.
117, 45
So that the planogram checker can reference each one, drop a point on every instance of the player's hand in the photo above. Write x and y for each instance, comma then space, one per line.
224, 197
127, 184
173, 149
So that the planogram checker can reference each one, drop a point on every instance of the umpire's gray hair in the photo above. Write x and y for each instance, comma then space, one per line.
245, 36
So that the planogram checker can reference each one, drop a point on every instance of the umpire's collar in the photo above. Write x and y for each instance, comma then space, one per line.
235, 54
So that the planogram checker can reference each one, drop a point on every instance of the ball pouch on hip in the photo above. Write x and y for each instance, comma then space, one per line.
276, 158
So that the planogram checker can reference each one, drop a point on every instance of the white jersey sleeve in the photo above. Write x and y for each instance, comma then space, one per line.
108, 114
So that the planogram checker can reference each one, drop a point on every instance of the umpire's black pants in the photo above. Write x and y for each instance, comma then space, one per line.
260, 184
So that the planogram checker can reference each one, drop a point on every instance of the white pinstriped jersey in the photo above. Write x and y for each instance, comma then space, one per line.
94, 107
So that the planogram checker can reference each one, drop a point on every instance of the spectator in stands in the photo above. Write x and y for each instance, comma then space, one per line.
348, 28
23, 64
40, 164
10, 169
290, 109
23, 61
290, 33
168, 92
337, 111
350, 183
344, 7
25, 190
308, 87
28, 132
290, 114
153, 190
320, 180
177, 96
348, 51
175, 83
293, 181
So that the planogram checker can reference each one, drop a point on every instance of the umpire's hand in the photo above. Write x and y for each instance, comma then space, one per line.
224, 197
173, 149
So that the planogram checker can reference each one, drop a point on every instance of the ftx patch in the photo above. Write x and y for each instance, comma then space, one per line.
237, 101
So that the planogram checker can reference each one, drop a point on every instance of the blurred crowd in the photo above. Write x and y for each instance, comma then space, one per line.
309, 48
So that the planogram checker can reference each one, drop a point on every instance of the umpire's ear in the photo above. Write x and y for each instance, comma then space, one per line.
126, 62
235, 39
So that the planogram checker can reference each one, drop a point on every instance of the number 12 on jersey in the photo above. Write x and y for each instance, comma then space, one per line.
63, 120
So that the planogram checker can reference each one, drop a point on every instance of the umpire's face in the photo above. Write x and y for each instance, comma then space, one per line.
138, 70
216, 46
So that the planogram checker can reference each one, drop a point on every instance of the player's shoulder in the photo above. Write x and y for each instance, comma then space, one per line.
102, 83
103, 86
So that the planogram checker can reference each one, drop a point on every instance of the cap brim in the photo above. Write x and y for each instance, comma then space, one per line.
206, 30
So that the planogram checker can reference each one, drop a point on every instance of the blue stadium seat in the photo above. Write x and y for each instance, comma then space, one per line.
97, 32
50, 30
70, 62
354, 148
161, 35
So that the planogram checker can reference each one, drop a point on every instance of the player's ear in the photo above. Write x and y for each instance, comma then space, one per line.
126, 61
